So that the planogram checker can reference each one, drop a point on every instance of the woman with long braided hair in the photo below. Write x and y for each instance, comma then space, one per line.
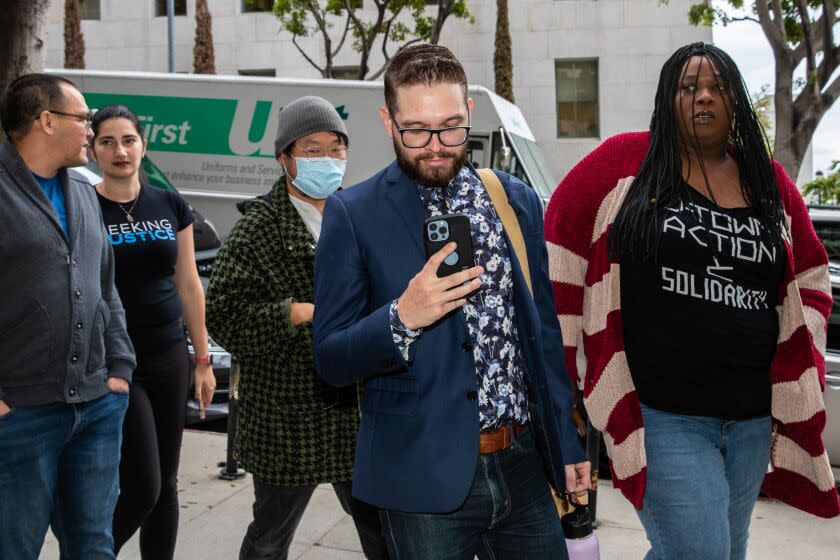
687, 270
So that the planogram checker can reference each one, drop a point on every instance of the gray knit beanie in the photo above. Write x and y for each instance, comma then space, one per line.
304, 116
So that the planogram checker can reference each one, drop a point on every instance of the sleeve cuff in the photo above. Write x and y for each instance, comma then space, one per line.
121, 369
286, 308
403, 336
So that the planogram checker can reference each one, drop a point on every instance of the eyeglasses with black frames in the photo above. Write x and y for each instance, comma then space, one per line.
86, 117
450, 136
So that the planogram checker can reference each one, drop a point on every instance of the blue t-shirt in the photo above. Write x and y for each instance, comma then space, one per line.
52, 188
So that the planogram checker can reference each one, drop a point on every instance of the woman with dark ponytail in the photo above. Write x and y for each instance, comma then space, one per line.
687, 270
150, 231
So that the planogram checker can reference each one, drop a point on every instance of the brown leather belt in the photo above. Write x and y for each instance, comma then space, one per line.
490, 441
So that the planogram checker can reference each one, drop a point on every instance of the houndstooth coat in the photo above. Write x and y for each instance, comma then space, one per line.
293, 429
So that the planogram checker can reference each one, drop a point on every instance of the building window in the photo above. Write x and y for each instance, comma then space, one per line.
180, 8
264, 72
576, 82
257, 6
89, 9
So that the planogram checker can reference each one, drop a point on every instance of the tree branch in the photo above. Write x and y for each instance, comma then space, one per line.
828, 64
444, 11
357, 23
343, 36
385, 42
832, 92
381, 70
745, 18
810, 61
306, 56
828, 19
773, 27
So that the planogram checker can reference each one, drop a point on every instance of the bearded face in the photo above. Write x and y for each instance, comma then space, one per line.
433, 169
430, 158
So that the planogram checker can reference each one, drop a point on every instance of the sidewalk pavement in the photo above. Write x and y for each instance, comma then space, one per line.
215, 513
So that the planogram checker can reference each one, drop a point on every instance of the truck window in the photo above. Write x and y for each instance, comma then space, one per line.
526, 163
829, 234
533, 161
513, 167
477, 151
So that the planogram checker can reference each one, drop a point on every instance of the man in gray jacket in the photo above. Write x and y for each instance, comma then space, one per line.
66, 358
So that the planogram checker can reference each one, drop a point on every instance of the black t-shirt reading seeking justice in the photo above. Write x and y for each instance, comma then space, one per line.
145, 253
699, 322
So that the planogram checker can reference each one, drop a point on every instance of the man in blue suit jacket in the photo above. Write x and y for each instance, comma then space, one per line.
466, 405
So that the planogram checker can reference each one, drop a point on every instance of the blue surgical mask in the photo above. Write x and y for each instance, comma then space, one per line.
319, 177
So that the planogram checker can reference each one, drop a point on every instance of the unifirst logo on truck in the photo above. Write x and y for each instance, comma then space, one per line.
225, 127
169, 133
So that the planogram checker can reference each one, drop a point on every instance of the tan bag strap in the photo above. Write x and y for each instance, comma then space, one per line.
509, 220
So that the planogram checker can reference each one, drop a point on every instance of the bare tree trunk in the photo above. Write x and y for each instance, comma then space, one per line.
74, 41
22, 40
204, 58
503, 55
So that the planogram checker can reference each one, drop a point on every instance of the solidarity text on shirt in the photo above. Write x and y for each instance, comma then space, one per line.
726, 236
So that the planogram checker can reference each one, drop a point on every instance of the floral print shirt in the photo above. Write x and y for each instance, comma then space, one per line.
490, 314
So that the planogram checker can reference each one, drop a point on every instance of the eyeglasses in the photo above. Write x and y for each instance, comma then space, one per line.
449, 136
86, 117
335, 152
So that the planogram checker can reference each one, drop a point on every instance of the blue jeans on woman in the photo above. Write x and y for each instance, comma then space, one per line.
59, 465
509, 514
703, 479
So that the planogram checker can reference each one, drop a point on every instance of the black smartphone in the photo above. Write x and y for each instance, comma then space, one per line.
440, 230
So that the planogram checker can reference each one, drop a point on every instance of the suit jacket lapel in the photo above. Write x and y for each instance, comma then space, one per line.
402, 194
403, 197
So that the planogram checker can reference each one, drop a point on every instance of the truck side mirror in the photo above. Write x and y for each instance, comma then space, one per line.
504, 151
505, 157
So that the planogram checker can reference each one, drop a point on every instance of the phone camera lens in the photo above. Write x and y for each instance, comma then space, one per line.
433, 226
444, 231
433, 236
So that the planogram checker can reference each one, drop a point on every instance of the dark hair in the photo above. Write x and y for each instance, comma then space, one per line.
422, 64
26, 98
114, 112
659, 182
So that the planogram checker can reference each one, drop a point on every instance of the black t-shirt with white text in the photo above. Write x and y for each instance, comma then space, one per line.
699, 321
145, 253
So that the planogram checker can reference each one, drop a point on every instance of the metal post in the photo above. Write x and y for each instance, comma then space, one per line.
231, 470
170, 16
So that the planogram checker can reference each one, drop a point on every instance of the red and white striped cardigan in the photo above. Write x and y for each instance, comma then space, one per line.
587, 298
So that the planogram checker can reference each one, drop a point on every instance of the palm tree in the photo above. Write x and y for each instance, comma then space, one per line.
503, 55
204, 59
74, 41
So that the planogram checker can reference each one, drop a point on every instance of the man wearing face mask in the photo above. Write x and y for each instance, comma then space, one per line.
294, 431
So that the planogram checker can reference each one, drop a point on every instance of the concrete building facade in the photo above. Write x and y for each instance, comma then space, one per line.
583, 69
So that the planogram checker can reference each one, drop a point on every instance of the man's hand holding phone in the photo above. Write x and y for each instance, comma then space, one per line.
428, 298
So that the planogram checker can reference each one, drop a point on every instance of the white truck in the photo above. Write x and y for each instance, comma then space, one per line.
213, 136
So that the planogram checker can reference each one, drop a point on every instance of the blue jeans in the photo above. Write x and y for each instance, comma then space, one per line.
703, 479
59, 463
508, 514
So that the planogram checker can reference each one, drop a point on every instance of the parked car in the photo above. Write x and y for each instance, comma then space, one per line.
207, 244
826, 221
